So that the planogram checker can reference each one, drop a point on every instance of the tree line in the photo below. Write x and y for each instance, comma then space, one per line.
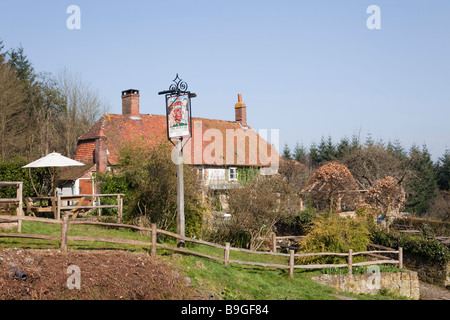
41, 112
426, 183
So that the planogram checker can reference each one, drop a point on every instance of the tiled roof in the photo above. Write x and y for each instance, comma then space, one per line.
73, 173
120, 129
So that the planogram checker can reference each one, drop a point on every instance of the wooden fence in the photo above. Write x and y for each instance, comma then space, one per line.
81, 198
63, 204
17, 200
64, 238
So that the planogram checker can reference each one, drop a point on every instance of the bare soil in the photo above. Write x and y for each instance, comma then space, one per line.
107, 275
104, 275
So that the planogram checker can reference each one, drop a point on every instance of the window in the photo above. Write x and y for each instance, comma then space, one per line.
232, 174
201, 174
216, 174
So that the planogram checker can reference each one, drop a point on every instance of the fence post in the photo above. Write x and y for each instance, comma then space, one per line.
58, 208
99, 203
400, 257
119, 207
350, 261
64, 233
153, 247
20, 206
291, 263
227, 254
274, 242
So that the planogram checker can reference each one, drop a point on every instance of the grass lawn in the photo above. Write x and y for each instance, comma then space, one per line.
233, 282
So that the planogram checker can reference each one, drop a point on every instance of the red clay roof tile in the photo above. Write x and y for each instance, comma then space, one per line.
204, 147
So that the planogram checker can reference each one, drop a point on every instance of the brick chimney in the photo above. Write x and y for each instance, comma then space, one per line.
101, 151
130, 103
240, 111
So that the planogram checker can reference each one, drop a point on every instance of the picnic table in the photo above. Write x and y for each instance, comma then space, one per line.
85, 203
72, 205
37, 205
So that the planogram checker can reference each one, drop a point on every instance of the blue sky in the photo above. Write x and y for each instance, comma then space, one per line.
308, 68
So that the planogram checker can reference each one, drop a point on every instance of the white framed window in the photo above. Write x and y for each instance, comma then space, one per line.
216, 174
201, 174
232, 174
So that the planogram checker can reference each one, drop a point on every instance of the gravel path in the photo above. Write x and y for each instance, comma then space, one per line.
432, 292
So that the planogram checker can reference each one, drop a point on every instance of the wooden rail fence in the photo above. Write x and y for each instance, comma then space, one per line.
64, 238
17, 200
81, 198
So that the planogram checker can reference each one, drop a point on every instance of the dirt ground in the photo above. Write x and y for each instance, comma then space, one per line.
103, 275
106, 275
432, 292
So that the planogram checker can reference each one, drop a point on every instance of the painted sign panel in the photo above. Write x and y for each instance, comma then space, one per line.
178, 116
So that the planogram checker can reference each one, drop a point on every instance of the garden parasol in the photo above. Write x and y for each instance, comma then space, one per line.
53, 160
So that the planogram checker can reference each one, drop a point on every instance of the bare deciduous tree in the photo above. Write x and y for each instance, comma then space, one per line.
374, 162
83, 107
256, 207
11, 106
295, 173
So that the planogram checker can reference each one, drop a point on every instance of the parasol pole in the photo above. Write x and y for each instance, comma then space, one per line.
32, 183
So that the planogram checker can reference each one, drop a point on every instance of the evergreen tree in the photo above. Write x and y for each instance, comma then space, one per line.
287, 152
443, 171
2, 54
421, 186
24, 69
327, 150
300, 153
369, 140
396, 149
344, 148
314, 154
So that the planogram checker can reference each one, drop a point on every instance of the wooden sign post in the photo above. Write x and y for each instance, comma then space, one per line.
179, 128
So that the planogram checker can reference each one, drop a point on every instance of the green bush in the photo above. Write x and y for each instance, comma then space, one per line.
113, 184
147, 177
428, 249
335, 234
13, 171
237, 239
296, 225
427, 226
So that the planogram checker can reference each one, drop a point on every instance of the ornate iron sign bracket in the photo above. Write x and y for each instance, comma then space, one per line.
177, 92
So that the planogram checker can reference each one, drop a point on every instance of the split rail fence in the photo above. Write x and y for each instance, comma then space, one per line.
64, 238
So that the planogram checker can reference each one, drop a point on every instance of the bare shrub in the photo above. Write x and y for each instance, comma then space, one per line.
332, 187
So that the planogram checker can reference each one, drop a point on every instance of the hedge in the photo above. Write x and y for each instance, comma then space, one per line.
429, 249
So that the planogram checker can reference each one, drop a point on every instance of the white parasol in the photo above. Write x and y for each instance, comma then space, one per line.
53, 160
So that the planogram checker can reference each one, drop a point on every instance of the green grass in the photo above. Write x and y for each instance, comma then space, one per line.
74, 230
233, 282
248, 282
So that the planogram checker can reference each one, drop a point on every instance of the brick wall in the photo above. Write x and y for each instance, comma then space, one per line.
85, 151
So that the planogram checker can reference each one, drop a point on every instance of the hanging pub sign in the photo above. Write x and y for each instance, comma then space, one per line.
178, 116
178, 110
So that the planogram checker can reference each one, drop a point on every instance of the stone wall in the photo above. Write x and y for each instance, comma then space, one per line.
405, 284
428, 271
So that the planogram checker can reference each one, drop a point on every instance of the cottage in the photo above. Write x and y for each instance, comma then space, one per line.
216, 149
